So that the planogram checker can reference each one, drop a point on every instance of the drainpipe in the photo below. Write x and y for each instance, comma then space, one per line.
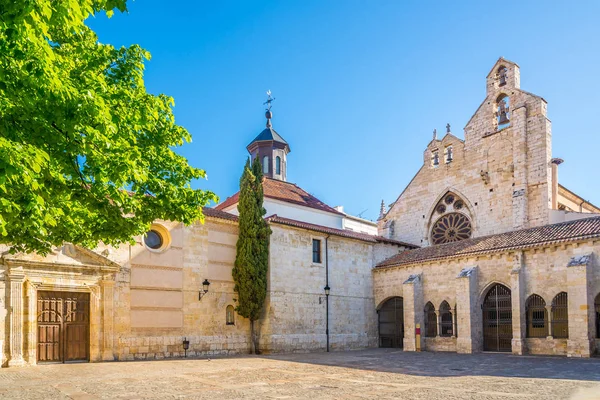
327, 291
555, 163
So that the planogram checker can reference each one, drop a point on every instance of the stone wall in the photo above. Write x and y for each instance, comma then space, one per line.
295, 313
157, 296
543, 271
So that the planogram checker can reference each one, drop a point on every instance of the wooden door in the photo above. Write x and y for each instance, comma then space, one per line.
63, 326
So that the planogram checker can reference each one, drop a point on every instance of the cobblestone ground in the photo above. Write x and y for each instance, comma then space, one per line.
368, 374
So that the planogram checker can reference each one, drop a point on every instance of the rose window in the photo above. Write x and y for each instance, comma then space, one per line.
451, 227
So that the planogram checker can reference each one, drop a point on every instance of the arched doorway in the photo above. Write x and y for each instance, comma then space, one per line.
497, 319
391, 323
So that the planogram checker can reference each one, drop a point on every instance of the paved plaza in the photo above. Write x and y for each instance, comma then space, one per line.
368, 374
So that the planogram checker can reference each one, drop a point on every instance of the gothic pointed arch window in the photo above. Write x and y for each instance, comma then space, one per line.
445, 319
536, 317
560, 316
430, 320
450, 220
503, 114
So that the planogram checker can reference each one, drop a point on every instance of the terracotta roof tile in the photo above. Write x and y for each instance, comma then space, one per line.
214, 213
525, 238
284, 191
337, 232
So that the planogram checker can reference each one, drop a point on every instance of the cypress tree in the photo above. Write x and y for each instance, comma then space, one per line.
252, 258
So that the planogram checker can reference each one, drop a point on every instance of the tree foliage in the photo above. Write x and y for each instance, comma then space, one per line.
252, 258
77, 128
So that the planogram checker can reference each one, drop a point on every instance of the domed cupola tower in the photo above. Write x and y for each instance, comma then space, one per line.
270, 148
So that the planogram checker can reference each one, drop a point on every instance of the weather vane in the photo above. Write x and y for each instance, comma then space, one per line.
269, 100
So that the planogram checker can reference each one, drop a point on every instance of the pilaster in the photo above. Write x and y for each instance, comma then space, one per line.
467, 311
107, 290
581, 313
518, 304
413, 311
16, 278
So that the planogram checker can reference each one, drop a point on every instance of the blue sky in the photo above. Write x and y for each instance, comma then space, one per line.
360, 85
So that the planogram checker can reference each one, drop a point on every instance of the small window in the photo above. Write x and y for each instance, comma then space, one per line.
445, 319
265, 165
229, 315
278, 165
435, 158
448, 154
560, 316
430, 321
153, 239
316, 251
536, 317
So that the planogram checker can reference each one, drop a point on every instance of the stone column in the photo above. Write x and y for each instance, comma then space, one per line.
518, 304
107, 289
549, 311
16, 277
467, 311
581, 313
413, 311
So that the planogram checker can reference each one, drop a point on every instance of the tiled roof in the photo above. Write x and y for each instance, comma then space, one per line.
214, 213
284, 191
268, 134
543, 235
336, 232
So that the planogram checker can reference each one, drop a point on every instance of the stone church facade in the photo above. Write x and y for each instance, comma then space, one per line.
508, 258
483, 251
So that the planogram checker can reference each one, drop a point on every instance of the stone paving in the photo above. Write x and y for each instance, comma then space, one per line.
367, 374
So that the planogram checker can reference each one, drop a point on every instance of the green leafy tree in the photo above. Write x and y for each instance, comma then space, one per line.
77, 128
252, 258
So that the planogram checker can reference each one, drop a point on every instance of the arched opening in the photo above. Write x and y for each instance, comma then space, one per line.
560, 316
278, 165
502, 75
445, 319
497, 319
229, 315
430, 320
536, 317
265, 165
391, 323
597, 307
503, 111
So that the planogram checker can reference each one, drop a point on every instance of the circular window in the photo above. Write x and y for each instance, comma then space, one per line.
449, 199
451, 228
153, 239
458, 205
441, 208
157, 239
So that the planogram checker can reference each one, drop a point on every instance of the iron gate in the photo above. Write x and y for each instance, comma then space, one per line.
497, 319
63, 326
391, 323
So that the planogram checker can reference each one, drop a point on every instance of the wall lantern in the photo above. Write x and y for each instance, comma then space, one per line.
186, 346
204, 290
327, 289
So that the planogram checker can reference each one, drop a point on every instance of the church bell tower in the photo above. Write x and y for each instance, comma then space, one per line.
270, 148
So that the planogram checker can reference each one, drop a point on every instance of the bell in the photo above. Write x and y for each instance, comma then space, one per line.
503, 119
